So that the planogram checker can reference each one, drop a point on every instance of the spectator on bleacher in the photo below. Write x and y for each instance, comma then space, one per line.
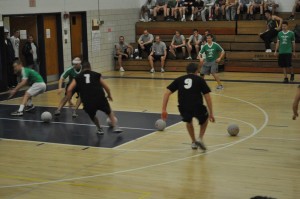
144, 43
213, 55
231, 7
123, 51
271, 5
194, 43
171, 4
287, 48
178, 44
207, 32
272, 29
296, 8
208, 5
161, 5
220, 9
178, 8
198, 7
158, 53
243, 7
147, 10
188, 9
257, 5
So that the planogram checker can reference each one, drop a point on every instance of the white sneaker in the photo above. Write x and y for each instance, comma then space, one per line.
137, 57
100, 131
122, 69
183, 19
117, 129
194, 146
149, 19
74, 115
210, 19
142, 20
152, 70
268, 51
189, 57
220, 87
162, 70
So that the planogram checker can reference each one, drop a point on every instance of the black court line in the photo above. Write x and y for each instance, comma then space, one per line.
79, 131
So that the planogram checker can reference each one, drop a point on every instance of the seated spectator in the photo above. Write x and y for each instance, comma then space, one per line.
204, 39
147, 10
220, 9
243, 7
272, 29
178, 8
208, 5
230, 8
194, 43
178, 44
257, 5
171, 4
30, 52
198, 7
161, 5
144, 43
123, 51
158, 53
296, 8
271, 5
188, 9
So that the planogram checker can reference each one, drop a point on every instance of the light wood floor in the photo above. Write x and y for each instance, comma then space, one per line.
263, 160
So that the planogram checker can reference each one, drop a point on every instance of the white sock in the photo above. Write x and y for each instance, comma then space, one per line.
21, 108
183, 16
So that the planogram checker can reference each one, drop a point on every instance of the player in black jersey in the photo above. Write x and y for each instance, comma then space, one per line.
191, 89
91, 86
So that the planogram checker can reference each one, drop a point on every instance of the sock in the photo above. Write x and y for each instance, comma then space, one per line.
183, 16
21, 108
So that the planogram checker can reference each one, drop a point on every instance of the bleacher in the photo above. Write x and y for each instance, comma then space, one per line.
245, 51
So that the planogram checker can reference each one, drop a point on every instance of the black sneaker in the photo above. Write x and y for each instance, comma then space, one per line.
57, 113
17, 113
292, 17
292, 77
100, 131
201, 145
117, 129
29, 108
286, 80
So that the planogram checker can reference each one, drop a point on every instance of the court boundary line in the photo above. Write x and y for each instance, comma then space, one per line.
266, 120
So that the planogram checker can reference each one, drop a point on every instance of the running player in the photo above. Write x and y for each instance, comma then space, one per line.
32, 78
296, 103
213, 55
90, 85
287, 47
70, 73
191, 89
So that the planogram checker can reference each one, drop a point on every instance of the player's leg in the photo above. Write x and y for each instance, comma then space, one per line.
120, 57
105, 107
78, 102
189, 49
162, 63
197, 48
151, 62
172, 51
213, 71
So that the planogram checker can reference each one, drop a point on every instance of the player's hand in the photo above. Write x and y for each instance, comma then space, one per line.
218, 60
295, 116
59, 91
164, 115
211, 118
110, 98
12, 93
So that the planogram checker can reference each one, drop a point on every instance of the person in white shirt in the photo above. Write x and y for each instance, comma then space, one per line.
15, 41
271, 5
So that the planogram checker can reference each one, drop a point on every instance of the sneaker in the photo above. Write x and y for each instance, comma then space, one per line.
117, 129
17, 113
137, 57
100, 131
29, 108
285, 80
292, 77
57, 112
194, 146
74, 115
149, 19
183, 19
201, 145
189, 58
152, 70
122, 69
142, 20
268, 51
210, 18
162, 70
220, 87
292, 17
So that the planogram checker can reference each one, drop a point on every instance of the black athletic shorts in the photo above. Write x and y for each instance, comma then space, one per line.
92, 108
157, 57
285, 60
200, 113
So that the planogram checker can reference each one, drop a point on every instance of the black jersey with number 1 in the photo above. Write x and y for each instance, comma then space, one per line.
89, 87
190, 89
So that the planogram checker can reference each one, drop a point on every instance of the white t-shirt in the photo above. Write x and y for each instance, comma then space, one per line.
16, 45
34, 53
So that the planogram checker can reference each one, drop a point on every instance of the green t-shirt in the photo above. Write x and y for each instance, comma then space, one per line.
212, 52
31, 75
286, 40
71, 72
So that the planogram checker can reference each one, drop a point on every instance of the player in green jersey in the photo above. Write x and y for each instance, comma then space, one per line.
28, 77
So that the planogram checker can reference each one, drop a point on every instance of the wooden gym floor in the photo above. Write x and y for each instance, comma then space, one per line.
263, 160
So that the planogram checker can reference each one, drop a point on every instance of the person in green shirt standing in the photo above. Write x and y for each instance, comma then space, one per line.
209, 56
70, 73
287, 47
32, 78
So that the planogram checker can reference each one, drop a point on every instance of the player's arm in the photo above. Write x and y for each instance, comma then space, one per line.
280, 21
221, 55
209, 106
106, 88
71, 88
164, 113
294, 48
60, 82
276, 47
18, 87
296, 104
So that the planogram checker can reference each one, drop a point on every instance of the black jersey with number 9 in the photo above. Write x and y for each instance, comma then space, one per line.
191, 89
